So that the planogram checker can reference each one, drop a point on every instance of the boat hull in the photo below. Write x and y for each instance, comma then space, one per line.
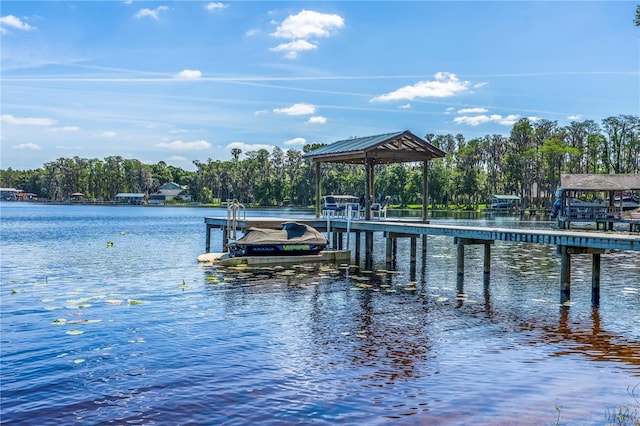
274, 249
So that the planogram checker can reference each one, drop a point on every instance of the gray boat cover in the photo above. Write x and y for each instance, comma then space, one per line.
291, 233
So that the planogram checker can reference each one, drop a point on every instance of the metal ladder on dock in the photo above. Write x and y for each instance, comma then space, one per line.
234, 209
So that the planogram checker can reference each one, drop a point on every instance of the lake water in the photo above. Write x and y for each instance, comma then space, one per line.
107, 318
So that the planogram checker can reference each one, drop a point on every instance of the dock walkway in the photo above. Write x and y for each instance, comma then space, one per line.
568, 242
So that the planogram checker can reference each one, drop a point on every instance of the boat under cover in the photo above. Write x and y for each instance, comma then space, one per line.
293, 239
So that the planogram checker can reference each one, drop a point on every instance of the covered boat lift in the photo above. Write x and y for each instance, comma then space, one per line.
592, 198
389, 148
399, 147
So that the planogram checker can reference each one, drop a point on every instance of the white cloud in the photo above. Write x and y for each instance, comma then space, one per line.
479, 85
472, 110
216, 6
31, 146
307, 24
296, 141
575, 117
449, 110
65, 129
109, 135
318, 119
252, 32
186, 146
293, 48
303, 26
153, 13
444, 85
189, 74
261, 112
8, 118
476, 120
245, 147
405, 106
297, 109
15, 23
534, 118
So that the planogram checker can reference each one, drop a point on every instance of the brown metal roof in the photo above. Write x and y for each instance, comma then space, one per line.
616, 182
399, 147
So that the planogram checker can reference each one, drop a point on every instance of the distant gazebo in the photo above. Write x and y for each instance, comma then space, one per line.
399, 147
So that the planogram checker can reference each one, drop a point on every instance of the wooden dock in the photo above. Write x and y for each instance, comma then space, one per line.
567, 242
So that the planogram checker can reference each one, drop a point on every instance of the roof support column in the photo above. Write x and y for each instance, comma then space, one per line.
425, 189
318, 190
369, 166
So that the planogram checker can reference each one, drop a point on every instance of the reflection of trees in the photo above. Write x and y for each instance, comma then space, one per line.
381, 332
594, 343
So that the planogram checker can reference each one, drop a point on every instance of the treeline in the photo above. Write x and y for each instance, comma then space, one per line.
527, 163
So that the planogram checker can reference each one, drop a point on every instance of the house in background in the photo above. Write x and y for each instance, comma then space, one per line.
170, 192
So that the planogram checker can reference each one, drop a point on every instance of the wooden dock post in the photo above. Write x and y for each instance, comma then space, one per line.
207, 239
565, 274
412, 262
368, 249
392, 248
461, 242
460, 267
357, 249
487, 263
595, 280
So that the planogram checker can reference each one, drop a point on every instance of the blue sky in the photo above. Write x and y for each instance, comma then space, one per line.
182, 81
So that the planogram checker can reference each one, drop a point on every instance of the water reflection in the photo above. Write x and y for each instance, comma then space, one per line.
381, 321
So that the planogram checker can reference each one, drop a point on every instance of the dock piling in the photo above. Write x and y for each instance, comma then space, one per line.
595, 280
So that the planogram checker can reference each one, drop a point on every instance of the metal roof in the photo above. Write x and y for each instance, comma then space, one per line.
398, 147
129, 195
505, 197
615, 182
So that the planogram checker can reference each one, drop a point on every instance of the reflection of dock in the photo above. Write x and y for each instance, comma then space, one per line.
567, 242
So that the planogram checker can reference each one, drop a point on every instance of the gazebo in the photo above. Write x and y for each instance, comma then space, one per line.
399, 147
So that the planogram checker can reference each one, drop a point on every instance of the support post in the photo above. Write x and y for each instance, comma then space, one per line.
565, 274
460, 267
412, 263
487, 262
368, 175
225, 238
425, 189
318, 190
414, 249
394, 252
357, 259
207, 240
389, 251
368, 249
595, 280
